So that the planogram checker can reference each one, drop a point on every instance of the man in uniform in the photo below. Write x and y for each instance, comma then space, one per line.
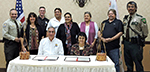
42, 20
11, 35
135, 32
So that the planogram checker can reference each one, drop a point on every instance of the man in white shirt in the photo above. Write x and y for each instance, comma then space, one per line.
57, 20
50, 45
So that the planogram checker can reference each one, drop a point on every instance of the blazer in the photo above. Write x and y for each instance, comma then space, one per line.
86, 51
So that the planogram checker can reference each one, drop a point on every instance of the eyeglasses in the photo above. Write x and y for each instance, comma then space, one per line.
130, 6
57, 12
42, 10
111, 14
51, 32
67, 17
13, 14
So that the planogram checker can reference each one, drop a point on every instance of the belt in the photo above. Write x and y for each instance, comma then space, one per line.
128, 39
132, 39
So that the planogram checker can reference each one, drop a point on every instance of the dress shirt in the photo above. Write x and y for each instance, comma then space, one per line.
10, 29
55, 23
48, 47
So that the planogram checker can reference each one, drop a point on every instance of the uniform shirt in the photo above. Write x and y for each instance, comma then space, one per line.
87, 30
48, 47
110, 30
43, 23
10, 29
55, 23
137, 23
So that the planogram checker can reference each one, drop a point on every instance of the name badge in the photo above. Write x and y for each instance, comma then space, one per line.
66, 41
56, 45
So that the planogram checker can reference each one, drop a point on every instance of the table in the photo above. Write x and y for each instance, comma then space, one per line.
60, 65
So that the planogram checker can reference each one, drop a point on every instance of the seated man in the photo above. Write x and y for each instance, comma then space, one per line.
50, 45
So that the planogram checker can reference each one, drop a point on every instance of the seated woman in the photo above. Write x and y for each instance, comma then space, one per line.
81, 48
67, 33
33, 34
90, 28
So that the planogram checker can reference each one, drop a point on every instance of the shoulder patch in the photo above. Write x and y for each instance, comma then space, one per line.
4, 25
139, 15
144, 20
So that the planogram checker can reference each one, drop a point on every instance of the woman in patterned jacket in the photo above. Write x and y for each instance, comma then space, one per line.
81, 48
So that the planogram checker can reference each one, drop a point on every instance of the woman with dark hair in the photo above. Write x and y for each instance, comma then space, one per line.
33, 33
67, 33
90, 28
81, 48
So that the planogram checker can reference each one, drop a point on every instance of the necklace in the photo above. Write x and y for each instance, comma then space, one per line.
32, 26
81, 48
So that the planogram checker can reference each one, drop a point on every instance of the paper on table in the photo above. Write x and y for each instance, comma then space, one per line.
39, 57
51, 58
71, 59
43, 58
77, 59
83, 59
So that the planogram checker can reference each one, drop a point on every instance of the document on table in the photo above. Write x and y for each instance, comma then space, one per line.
83, 59
77, 59
46, 58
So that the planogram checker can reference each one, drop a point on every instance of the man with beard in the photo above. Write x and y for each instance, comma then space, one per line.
111, 31
135, 32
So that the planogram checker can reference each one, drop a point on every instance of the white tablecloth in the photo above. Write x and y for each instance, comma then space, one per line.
60, 65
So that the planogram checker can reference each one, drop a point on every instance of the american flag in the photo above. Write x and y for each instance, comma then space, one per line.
19, 9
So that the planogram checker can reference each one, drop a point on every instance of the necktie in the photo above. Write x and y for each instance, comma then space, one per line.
127, 31
17, 29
